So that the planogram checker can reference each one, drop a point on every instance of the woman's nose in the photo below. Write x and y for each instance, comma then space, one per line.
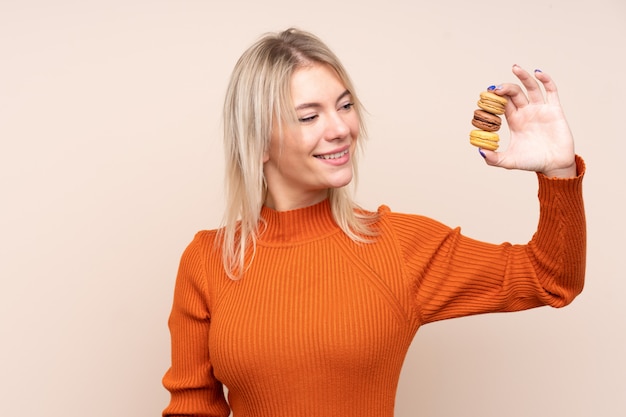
337, 128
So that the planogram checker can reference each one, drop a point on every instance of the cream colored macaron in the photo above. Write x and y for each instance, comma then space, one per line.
491, 102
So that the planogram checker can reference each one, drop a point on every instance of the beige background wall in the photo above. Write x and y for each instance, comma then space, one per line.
111, 159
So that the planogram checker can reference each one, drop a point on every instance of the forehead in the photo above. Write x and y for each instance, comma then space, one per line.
315, 83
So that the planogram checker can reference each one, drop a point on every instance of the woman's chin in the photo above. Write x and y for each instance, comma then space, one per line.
341, 182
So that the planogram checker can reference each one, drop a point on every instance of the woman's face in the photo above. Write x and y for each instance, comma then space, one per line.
316, 154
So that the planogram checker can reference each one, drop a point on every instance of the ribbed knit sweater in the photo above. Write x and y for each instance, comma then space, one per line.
319, 325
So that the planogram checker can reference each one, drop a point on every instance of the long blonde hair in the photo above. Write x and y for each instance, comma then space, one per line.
258, 94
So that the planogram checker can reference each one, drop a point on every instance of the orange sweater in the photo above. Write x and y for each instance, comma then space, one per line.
320, 325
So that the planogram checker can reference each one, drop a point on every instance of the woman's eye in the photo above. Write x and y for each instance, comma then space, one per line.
347, 106
307, 118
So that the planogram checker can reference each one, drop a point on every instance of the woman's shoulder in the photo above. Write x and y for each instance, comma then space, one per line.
204, 244
204, 235
385, 213
404, 222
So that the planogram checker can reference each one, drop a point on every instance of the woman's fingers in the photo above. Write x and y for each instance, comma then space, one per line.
531, 94
535, 94
516, 97
552, 95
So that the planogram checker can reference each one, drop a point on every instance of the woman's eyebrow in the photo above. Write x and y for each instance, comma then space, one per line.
342, 95
318, 105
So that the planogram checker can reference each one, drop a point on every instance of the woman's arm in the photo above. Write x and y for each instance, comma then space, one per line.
190, 381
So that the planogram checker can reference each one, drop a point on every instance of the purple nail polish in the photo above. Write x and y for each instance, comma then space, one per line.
491, 88
538, 70
480, 151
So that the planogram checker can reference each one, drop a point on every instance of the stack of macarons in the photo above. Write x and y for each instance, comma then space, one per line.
487, 121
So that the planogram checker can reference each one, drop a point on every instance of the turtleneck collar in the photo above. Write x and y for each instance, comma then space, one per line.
297, 226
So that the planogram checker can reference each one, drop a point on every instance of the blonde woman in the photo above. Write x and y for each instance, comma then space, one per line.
303, 303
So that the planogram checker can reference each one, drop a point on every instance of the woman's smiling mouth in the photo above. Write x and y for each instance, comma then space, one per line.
336, 155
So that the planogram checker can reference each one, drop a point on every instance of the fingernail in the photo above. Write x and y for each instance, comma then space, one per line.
538, 70
491, 88
480, 151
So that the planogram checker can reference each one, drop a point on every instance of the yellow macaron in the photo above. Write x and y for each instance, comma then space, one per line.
484, 140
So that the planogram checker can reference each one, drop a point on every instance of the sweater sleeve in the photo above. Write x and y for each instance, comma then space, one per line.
456, 276
193, 388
